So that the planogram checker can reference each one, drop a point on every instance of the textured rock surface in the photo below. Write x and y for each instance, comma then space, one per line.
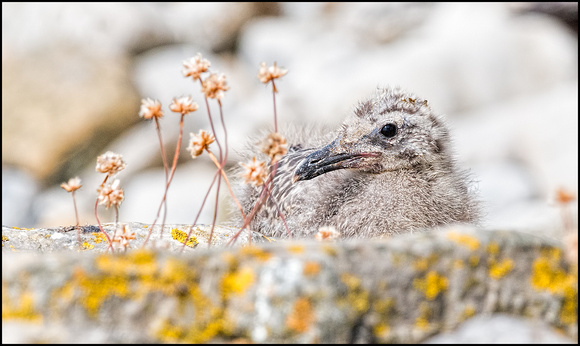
402, 289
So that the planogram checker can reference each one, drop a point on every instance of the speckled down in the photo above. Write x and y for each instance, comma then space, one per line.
403, 289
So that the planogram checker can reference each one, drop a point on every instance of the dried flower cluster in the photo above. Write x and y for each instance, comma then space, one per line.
564, 196
195, 66
327, 233
183, 105
214, 86
150, 109
267, 74
256, 172
274, 146
72, 185
200, 142
122, 236
110, 194
110, 163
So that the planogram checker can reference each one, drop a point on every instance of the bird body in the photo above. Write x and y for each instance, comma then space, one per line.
388, 169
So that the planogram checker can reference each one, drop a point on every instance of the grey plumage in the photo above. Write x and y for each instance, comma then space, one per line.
388, 169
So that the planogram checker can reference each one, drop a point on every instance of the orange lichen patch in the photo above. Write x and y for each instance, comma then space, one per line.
357, 296
20, 307
87, 246
237, 282
498, 269
431, 285
256, 252
301, 317
472, 243
548, 275
297, 249
99, 237
311, 268
181, 236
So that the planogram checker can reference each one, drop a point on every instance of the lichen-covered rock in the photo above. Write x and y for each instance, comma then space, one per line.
402, 289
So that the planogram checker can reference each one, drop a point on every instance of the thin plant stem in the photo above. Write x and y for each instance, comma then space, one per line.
77, 218
215, 210
164, 158
173, 167
200, 209
215, 161
279, 211
274, 90
99, 222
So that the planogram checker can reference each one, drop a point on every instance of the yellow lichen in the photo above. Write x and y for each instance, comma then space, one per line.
237, 282
422, 264
256, 252
99, 237
468, 312
470, 242
4, 238
458, 264
311, 268
548, 275
181, 236
357, 297
498, 269
381, 330
301, 317
473, 260
431, 285
87, 246
493, 248
20, 307
329, 250
297, 249
422, 321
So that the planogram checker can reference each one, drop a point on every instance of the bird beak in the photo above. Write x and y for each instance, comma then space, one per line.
326, 160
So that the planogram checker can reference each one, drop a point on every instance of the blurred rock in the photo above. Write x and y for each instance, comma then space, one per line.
60, 108
500, 328
18, 193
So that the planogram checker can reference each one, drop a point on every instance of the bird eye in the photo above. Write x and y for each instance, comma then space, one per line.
389, 130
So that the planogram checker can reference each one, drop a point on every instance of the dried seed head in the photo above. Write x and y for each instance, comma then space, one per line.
327, 233
564, 196
274, 146
110, 194
110, 163
72, 185
256, 172
122, 236
266, 74
195, 66
200, 142
150, 109
183, 105
214, 86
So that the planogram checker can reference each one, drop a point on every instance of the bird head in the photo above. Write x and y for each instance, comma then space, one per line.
392, 131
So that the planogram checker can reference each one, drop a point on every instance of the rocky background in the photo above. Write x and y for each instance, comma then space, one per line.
73, 75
